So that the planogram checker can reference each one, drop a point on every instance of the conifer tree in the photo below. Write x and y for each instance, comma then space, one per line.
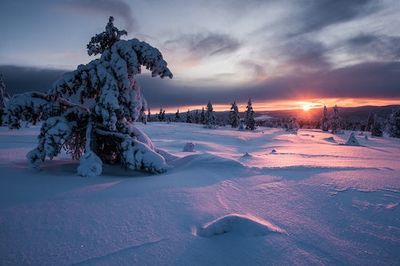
370, 122
142, 115
196, 117
249, 117
4, 97
234, 119
376, 127
94, 108
325, 120
188, 117
177, 116
210, 120
202, 116
394, 124
335, 120
148, 115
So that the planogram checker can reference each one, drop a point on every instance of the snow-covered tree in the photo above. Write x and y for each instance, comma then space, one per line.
335, 120
177, 116
249, 116
292, 125
4, 97
189, 118
370, 121
394, 124
325, 120
91, 110
210, 120
202, 116
196, 117
149, 115
234, 119
142, 115
376, 127
105, 40
161, 115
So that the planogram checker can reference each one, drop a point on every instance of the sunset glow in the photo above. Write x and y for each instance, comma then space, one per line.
305, 105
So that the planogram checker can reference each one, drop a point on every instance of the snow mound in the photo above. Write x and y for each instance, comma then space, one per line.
189, 147
90, 165
247, 155
330, 139
236, 224
352, 141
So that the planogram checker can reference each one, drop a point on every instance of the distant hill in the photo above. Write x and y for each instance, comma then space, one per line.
348, 113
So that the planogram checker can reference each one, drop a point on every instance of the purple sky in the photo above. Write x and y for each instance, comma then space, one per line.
218, 50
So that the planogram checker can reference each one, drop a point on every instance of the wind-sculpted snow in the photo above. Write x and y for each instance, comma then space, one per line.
236, 224
337, 204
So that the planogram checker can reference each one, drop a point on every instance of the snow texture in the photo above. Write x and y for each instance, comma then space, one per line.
236, 224
338, 204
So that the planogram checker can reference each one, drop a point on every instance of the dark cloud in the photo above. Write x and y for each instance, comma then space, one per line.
303, 54
116, 8
21, 79
367, 80
314, 15
206, 44
380, 80
382, 47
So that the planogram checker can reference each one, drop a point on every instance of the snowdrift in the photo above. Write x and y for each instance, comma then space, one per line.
236, 224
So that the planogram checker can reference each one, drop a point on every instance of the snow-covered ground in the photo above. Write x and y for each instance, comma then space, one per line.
240, 198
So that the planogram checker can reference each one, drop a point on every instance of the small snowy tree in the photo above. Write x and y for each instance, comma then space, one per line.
394, 124
188, 117
149, 115
196, 117
177, 116
234, 119
202, 116
142, 115
249, 117
91, 110
376, 127
370, 122
4, 97
335, 121
210, 120
325, 120
161, 115
292, 125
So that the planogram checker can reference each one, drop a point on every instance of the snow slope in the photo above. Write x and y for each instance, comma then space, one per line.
313, 201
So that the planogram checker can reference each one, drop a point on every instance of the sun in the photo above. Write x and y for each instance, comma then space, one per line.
306, 107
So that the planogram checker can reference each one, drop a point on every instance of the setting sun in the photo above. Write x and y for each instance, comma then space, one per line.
306, 107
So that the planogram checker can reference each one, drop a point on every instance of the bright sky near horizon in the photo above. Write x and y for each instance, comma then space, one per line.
271, 51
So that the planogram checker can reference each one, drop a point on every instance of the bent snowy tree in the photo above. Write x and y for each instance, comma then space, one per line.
90, 112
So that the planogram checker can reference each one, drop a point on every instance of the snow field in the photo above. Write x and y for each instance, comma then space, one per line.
334, 204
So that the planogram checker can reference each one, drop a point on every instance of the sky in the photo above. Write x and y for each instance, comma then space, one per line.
279, 53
